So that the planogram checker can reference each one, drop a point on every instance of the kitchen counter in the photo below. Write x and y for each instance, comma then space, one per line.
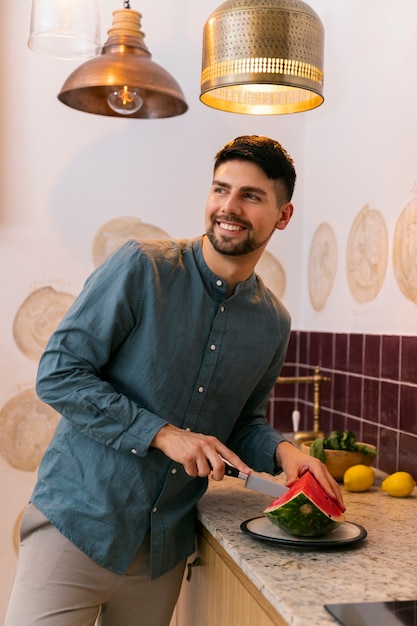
298, 582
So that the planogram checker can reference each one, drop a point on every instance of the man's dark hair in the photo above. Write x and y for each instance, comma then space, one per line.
266, 153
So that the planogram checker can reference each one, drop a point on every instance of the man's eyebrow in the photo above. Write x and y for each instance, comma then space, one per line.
257, 190
246, 189
219, 183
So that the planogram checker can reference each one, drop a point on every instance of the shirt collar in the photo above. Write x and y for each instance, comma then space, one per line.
215, 284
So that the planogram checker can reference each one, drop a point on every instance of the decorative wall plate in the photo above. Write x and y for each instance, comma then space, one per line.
26, 428
37, 318
322, 265
272, 273
16, 532
116, 232
367, 255
405, 251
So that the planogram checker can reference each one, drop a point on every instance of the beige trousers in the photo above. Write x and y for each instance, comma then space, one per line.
56, 584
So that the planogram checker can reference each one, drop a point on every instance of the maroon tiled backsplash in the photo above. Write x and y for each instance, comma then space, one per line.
372, 391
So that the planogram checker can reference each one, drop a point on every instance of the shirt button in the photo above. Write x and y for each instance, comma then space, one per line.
174, 471
219, 283
134, 451
222, 309
200, 389
188, 428
154, 510
212, 347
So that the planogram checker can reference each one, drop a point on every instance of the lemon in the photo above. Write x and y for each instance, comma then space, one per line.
358, 478
399, 484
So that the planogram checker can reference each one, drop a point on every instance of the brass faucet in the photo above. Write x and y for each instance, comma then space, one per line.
317, 379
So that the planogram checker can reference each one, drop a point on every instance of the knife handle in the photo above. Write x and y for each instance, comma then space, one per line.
231, 470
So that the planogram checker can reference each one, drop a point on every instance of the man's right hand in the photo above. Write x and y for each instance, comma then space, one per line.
200, 454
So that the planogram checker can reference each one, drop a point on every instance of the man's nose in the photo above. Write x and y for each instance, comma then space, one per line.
232, 204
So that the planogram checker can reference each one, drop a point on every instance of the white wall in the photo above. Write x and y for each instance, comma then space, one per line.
64, 173
361, 149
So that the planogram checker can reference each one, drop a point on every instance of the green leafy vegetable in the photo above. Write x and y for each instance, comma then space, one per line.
366, 449
317, 448
338, 441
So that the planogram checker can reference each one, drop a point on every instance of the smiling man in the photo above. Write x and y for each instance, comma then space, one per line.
161, 369
249, 199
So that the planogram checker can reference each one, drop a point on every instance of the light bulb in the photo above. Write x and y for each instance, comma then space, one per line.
125, 100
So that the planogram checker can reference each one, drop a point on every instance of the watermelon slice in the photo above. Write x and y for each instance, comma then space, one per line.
305, 510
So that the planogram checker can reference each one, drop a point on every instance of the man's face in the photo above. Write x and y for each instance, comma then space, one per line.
244, 207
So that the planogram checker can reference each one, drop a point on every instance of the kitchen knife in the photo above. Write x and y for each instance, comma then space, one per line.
256, 483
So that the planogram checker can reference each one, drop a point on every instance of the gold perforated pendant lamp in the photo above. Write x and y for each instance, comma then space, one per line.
123, 81
263, 57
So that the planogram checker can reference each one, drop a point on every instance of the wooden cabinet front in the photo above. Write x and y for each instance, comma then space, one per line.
219, 593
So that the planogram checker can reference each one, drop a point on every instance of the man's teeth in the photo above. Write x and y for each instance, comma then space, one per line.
227, 226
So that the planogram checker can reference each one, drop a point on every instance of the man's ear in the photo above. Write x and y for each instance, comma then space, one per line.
285, 214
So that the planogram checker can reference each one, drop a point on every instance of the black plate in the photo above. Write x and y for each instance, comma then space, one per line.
390, 613
262, 528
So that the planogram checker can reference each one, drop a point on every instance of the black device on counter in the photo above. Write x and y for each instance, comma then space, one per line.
394, 613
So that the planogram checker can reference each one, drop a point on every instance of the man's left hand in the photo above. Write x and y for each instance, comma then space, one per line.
295, 463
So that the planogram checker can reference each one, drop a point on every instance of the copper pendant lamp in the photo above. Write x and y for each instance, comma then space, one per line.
263, 57
123, 81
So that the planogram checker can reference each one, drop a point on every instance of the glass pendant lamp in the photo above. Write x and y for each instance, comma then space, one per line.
65, 29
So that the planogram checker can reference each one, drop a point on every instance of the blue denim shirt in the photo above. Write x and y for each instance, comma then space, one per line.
153, 339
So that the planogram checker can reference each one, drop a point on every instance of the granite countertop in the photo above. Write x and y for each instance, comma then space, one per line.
297, 581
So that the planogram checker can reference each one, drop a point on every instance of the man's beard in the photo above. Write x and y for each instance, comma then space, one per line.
228, 246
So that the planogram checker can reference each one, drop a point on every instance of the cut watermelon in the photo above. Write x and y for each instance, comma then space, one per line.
305, 510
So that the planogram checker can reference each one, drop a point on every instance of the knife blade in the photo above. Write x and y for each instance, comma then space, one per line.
256, 483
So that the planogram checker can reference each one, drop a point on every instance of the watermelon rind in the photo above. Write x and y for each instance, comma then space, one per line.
305, 510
